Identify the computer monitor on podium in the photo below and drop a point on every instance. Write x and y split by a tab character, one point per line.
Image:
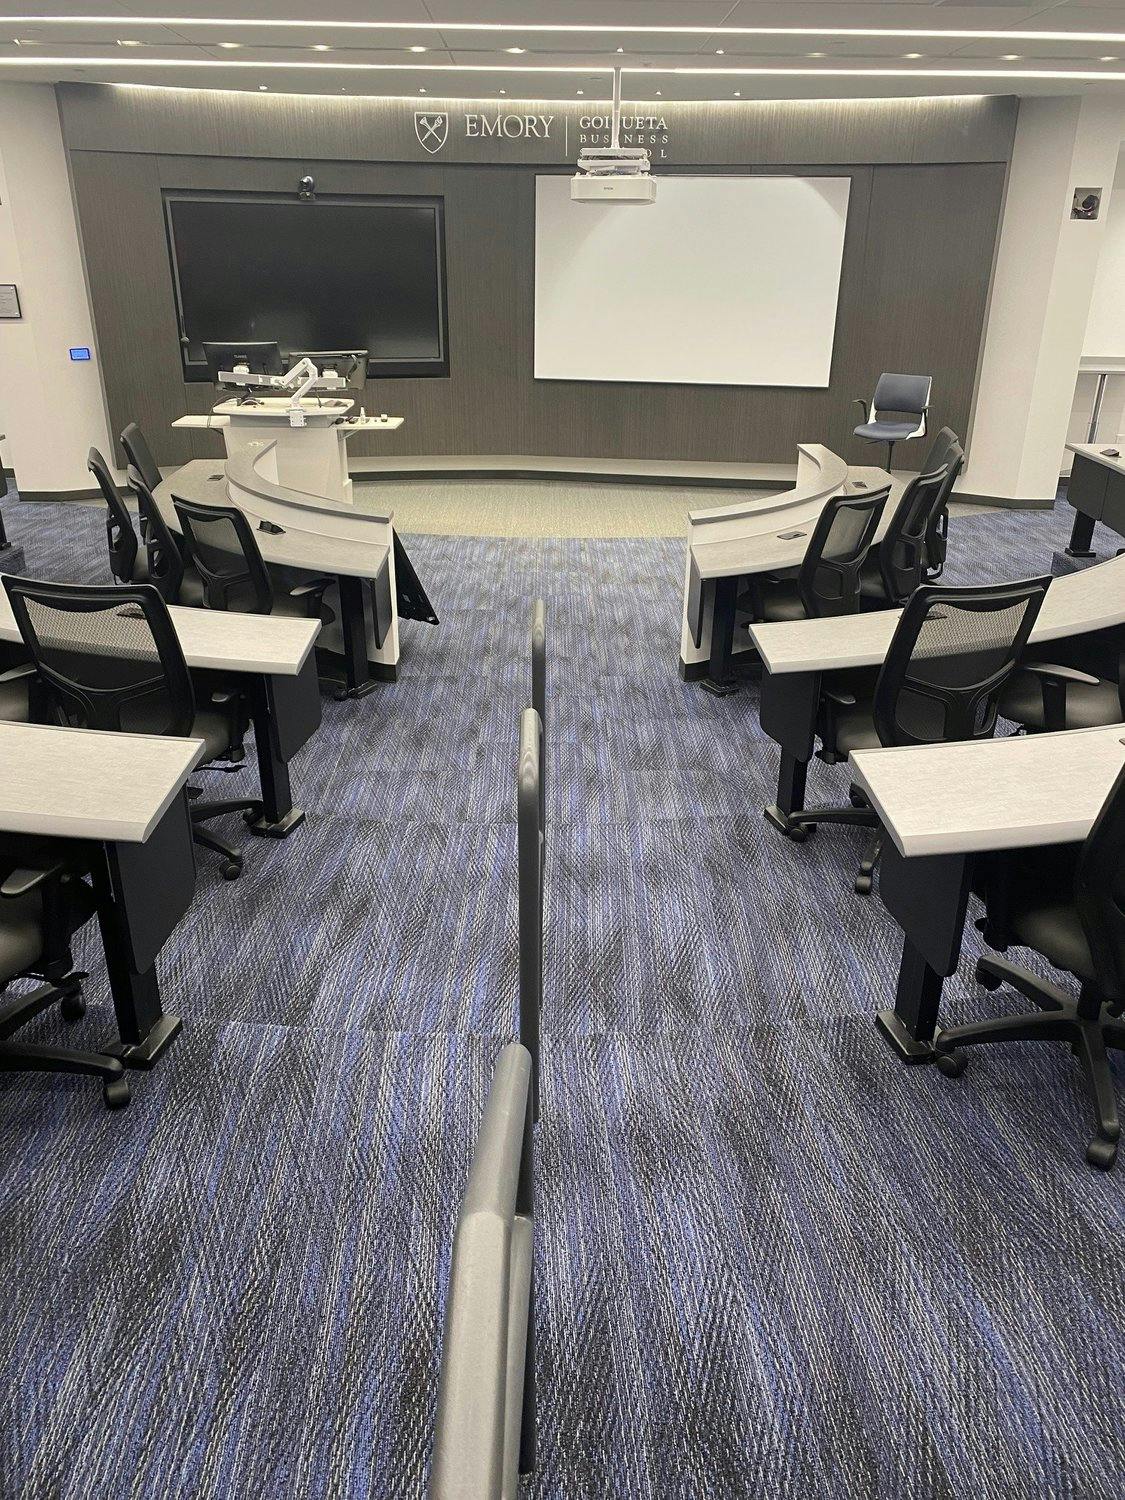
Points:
257	357
349	364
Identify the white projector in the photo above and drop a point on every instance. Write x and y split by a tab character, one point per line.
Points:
614	174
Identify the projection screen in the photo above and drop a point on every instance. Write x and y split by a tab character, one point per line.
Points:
721	281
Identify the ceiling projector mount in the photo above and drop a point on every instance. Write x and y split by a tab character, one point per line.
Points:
613	173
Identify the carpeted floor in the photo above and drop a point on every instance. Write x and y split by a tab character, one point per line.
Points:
771	1261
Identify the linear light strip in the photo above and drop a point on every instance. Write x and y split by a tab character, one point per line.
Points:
1056	74
125	23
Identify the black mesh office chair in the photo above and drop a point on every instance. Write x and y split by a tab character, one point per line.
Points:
895	568
139	454
1067	903
951	654
945	452
897	410
1052	696
43	903
109	658
168	572
222	546
827	582
126	561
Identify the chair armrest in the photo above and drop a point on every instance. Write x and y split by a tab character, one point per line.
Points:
838	698
23	882
15	674
1053	682
861	402
311	587
224	697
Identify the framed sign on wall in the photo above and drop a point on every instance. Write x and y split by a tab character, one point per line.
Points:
9	300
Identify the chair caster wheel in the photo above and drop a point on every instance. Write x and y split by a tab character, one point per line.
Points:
250	817
231	871
986	979
862	885
952	1064
116	1093
856	798
73	1007
1101	1153
801	832
340	694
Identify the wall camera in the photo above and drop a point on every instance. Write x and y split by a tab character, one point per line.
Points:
306	189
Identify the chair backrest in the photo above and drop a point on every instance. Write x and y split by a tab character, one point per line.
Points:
946	449
909	394
223	548
902	552
120	536
1099	892
165	560
484	1434
828	579
108	655
949	658
139	454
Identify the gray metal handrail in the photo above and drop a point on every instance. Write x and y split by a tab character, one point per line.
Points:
531	841
485	1430
539	661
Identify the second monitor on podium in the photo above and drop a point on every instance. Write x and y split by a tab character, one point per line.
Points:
309	419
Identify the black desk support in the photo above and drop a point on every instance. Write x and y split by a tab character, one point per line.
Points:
1097	493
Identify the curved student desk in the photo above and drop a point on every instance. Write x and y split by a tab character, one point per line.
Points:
758	534
1096	492
317	536
797	655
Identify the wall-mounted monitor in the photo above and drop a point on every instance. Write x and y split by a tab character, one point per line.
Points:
335	273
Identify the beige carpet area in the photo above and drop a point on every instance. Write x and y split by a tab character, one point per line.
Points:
537	508
545	507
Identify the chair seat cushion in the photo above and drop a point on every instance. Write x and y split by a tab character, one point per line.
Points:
13	701
1087	706
214	729
21	935
1056	931
781	600
885	432
855	730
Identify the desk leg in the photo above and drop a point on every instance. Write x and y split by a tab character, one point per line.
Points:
279	816
791	775
353	628
910	1026
718	679
1081	535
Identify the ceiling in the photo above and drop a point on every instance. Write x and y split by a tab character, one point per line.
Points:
563	49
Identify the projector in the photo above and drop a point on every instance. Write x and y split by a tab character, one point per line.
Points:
613	174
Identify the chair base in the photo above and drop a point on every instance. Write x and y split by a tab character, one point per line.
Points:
252	808
1083	1023
799	825
28	1057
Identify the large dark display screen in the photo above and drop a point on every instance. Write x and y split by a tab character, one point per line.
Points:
334	273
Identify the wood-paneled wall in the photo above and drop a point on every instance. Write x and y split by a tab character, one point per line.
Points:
917	263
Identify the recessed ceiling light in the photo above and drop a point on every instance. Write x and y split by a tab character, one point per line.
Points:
317	47
1010	56
26	41
419	48
230	46
913	56
1111	58
516	51
818	54
659	93
581	91
125	42
738	93
262	87
720	52
421	91
621	49
503	91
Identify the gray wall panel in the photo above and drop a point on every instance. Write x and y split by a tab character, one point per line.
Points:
917	260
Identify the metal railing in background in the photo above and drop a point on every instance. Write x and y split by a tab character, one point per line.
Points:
485	1433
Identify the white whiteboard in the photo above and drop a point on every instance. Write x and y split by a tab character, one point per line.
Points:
721	281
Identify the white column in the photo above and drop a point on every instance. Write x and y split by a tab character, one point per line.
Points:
51	408
1042	287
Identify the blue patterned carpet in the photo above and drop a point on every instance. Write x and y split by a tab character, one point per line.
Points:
772	1261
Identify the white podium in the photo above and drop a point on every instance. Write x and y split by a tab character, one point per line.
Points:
313	458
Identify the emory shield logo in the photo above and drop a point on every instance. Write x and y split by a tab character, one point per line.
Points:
432	131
